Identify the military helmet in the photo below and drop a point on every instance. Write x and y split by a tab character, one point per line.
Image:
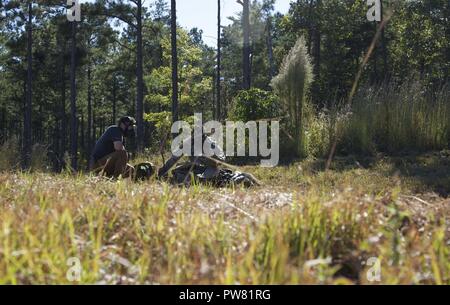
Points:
127	120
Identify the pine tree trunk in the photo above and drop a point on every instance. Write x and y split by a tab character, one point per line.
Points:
114	101
94	126
375	58
246	50
310	25
270	49
174	61
219	55
140	80
317	38
383	43
63	130
317	43
81	131
73	106
29	92
3	136
89	110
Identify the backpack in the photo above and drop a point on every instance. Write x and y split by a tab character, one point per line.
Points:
144	171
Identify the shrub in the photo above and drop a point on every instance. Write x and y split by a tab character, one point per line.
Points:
318	135
254	104
161	123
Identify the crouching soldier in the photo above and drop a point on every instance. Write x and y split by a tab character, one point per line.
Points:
211	168
109	156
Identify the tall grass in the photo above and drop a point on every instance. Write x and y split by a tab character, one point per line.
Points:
389	118
10	158
124	232
10	154
395	118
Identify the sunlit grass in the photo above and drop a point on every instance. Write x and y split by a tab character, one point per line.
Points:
302	226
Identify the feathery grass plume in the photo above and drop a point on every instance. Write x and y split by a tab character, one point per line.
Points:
292	85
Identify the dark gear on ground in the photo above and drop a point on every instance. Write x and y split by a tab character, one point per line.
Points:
144	171
204	169
189	173
199	160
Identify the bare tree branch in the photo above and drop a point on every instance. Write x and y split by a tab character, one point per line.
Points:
124	46
119	18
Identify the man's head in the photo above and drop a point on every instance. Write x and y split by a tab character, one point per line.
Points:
126	124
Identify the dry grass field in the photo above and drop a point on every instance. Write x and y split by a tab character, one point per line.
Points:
303	225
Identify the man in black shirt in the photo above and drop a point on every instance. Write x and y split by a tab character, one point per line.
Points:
109	155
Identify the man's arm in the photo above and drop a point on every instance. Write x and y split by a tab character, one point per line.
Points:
163	171
118	145
176	155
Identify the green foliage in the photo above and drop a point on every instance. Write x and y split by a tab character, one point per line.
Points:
161	123
317	135
195	84
421	41
292	85
254	104
232	44
415	42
